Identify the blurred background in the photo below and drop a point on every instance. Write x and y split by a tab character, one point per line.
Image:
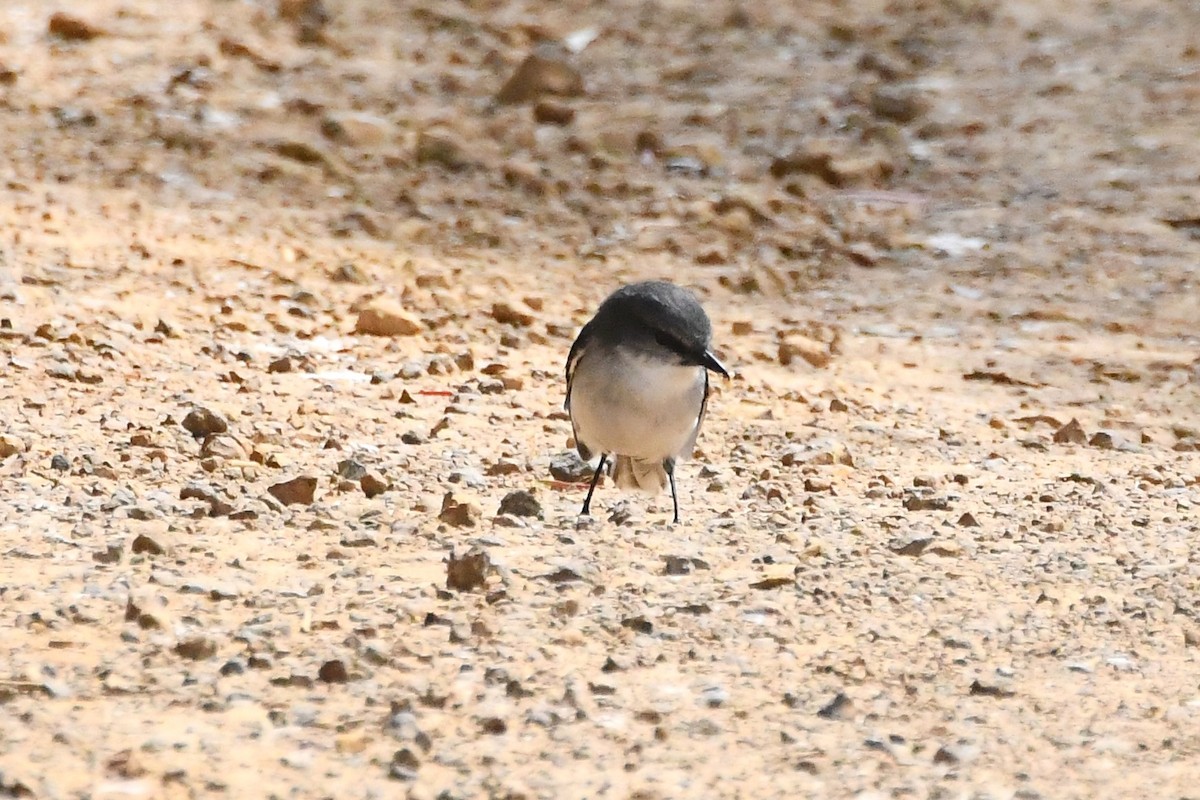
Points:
777	144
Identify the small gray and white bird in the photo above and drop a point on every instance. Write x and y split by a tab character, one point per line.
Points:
637	385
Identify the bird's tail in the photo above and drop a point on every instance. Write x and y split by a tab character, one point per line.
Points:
647	475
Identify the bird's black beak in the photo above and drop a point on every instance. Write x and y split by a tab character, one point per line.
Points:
709	361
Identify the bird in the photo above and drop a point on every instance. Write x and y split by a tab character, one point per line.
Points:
637	385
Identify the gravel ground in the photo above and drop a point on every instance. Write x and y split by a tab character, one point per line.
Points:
286	292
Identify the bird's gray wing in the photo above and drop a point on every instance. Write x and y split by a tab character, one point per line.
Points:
691	445
578	347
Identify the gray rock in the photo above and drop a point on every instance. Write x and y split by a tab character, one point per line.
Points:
201	422
351	470
521	503
570	468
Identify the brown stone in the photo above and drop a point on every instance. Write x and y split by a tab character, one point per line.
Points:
387	318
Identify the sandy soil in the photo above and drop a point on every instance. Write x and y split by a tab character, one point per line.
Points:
284	303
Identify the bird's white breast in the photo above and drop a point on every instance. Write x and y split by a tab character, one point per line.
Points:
624	403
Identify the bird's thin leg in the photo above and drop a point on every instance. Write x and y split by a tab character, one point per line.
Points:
587	501
669	466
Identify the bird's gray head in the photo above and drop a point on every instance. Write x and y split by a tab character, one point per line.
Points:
656	316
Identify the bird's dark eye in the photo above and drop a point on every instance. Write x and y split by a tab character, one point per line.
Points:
668	341
675	346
